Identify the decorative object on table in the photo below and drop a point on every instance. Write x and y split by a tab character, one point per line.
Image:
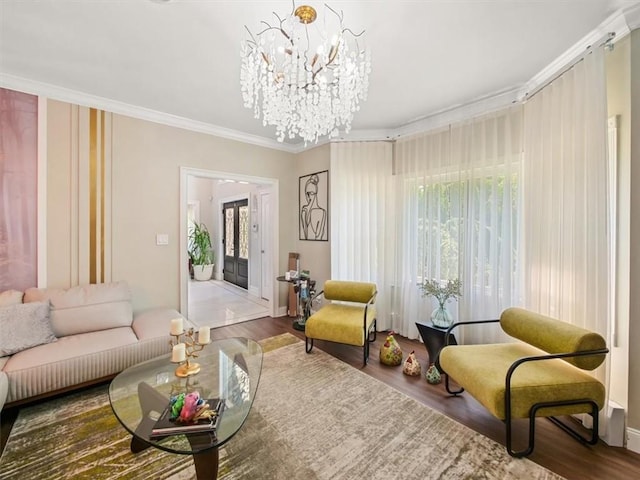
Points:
184	347
200	252
307	80
294	268
188	413
411	365
306	290
433	375
390	352
442	293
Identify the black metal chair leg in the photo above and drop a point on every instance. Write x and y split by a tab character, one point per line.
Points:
594	428
446	385
308	344
365	353
564	427
374	331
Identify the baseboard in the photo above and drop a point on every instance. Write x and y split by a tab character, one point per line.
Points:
614	436
633	440
281	312
255	291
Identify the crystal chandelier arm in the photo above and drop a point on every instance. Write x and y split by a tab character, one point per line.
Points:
356	35
341	18
253	39
272	27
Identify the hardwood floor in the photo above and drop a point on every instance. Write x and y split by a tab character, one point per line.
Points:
554	450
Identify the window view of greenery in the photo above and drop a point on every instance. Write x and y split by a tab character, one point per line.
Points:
475	217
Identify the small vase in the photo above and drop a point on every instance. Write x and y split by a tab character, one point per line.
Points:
441	317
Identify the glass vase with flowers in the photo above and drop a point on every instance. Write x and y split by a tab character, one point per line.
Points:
442	291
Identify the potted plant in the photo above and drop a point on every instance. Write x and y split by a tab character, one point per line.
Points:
200	253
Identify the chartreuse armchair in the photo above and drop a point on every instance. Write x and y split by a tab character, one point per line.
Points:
542	375
351	323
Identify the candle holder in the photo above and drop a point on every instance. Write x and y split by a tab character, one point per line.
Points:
192	347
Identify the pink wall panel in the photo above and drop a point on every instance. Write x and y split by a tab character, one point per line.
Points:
18	189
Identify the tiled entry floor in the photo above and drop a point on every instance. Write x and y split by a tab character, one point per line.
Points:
215	303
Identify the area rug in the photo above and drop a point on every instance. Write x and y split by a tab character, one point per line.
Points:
314	417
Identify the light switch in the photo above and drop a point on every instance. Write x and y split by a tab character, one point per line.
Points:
162	239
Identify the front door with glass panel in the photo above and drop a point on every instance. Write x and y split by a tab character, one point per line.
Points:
236	242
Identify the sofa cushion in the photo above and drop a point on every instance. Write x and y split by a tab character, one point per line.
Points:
10	297
71	346
4	388
348	291
24	326
156	322
340	323
86	308
553	336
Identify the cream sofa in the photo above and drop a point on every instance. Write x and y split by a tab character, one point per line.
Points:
96	334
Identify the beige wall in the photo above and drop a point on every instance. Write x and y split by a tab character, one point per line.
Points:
634	274
618	100
59	216
144	198
314	256
623	96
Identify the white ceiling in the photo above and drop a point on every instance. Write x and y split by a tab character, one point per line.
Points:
181	57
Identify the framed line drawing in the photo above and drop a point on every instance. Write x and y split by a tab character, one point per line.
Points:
313	197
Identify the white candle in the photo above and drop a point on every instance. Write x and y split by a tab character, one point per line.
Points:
179	353
204	335
176	326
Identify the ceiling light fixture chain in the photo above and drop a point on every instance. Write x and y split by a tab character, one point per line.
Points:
304	80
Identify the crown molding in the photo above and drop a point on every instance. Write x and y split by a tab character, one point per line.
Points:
632	16
479	106
616	23
56	92
441	118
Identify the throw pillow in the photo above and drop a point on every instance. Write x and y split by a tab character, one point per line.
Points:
10	297
23	326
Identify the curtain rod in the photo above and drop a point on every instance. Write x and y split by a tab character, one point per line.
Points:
605	41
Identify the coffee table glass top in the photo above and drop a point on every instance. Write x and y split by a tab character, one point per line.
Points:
229	369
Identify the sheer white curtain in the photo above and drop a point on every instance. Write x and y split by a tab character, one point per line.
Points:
361	217
566	250
457	206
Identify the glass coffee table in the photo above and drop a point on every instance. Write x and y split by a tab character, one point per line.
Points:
230	369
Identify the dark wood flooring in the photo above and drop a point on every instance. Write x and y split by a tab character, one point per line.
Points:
554	449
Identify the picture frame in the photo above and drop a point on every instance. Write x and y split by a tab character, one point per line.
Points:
313	201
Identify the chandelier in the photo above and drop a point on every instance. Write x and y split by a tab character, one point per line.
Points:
305	81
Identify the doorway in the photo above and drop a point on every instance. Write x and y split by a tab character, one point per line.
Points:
235	242
263	237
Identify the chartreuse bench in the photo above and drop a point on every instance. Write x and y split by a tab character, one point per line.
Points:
351	323
544	374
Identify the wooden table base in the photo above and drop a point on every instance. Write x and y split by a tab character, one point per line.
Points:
206	462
